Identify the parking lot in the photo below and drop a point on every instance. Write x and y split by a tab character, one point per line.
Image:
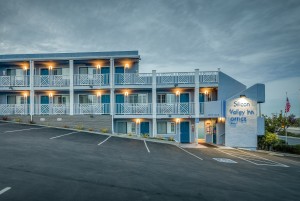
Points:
42	163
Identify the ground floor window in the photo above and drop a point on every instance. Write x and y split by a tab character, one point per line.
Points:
166	127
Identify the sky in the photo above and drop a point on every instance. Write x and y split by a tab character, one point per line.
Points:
255	41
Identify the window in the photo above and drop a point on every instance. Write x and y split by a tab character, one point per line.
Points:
171	127
12	99
57	71
161	98
138	98
166	98
60	99
143	98
87	99
162	127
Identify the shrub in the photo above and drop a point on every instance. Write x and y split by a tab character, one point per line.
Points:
145	135
66	126
294	149
129	134
5	118
79	127
18	120
90	129
31	122
104	130
171	138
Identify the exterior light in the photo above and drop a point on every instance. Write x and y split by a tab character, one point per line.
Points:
25	67
50	95
206	92
25	95
50	67
98	94
126	65
177	93
138	121
98	66
126	93
178	120
242	96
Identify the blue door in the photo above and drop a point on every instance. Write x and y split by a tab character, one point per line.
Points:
120	107
106	100
145	128
184	106
105	70
119	76
44	80
44	108
185	132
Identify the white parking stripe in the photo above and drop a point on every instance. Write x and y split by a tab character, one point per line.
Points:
251	158
4	190
23	130
62	135
104	140
146	146
190	153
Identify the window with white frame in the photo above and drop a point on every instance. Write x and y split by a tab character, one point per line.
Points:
138	98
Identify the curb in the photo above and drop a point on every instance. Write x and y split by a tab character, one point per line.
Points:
278	153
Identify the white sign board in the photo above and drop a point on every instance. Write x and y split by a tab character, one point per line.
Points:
241	123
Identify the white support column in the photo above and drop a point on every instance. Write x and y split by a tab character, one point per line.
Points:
197	104
31	78
71	72
154	97
112	92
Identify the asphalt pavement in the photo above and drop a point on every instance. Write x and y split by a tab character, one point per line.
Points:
43	164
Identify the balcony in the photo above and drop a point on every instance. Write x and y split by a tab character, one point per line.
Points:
133	78
175	108
212	109
14	81
91	80
51	80
92	108
209	77
53	109
133	108
14	109
175	78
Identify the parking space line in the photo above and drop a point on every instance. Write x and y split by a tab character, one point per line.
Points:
251	158
23	130
146	146
62	135
4	190
104	140
190	153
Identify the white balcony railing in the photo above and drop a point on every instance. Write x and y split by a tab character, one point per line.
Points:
94	80
14	109
209	77
14	81
92	108
46	109
133	108
51	80
175	78
175	108
133	78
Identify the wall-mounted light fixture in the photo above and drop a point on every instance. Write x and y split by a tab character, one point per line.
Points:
126	65
98	94
178	120
50	67
126	93
98	66
206	92
138	121
177	93
24	67
50	95
242	96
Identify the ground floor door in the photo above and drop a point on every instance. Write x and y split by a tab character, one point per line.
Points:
145	128
185	132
